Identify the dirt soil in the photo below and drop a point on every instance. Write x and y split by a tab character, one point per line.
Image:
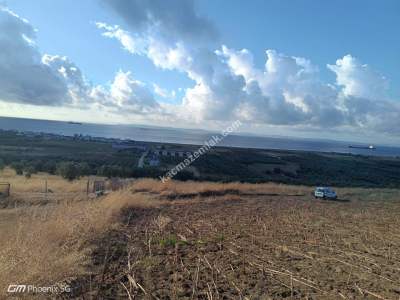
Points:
249	247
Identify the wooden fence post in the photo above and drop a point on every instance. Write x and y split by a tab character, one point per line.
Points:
45	189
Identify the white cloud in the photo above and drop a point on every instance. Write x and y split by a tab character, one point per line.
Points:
130	94
78	88
164	93
27	77
175	20
287	91
240	62
358	79
23	77
130	44
125	95
227	85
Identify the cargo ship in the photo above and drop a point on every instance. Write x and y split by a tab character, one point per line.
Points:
369	147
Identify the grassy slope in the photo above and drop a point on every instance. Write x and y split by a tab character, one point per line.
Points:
220	164
199	240
47	239
17	148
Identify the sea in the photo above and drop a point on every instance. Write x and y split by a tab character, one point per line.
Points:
190	136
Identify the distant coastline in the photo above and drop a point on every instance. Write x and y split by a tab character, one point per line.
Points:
112	157
188	137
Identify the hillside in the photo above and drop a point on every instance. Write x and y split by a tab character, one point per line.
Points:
200	241
104	157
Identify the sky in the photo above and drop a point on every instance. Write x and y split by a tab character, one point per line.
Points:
321	69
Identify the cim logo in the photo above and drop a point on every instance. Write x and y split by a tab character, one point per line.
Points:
16	288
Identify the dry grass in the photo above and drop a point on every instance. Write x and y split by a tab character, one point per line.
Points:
36	183
206	240
178	189
50	244
266	242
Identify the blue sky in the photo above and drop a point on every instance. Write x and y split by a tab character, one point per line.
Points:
319	30
61	30
219	83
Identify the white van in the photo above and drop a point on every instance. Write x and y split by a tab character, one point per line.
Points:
325	193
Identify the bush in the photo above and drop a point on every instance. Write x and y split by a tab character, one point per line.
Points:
68	170
184	176
277	171
30	169
49	167
18	167
84	169
110	171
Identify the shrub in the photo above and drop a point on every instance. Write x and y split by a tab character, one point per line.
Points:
68	170
30	169
49	167
110	171
277	171
84	169
18	167
184	176
170	240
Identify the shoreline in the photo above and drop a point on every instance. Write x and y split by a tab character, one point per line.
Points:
347	149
